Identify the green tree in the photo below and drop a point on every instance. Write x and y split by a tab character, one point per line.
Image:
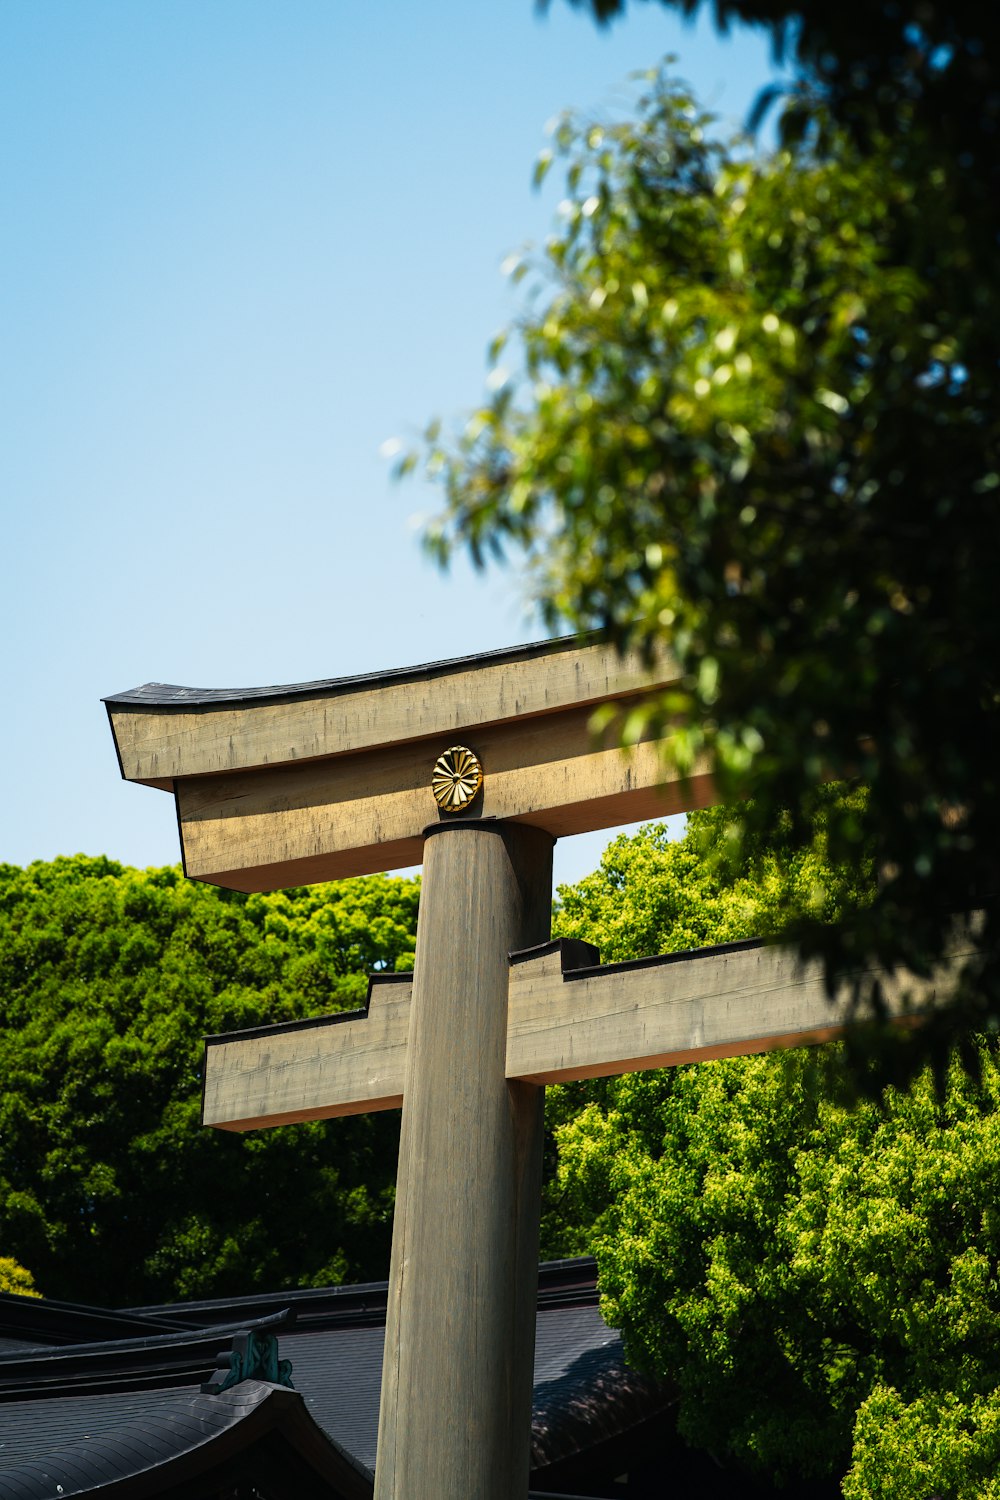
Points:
15	1279
651	894
920	66
110	1189
819	1281
752	415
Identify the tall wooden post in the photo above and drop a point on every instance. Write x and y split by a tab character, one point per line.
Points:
457	1374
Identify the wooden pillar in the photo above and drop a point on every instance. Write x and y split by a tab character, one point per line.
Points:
457	1374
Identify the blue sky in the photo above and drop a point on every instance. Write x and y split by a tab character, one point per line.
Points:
245	244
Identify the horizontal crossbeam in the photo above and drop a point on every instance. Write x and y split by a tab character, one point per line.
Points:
568	1022
568	1018
345	1064
265	830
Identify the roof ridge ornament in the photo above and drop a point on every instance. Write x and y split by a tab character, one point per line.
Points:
253	1355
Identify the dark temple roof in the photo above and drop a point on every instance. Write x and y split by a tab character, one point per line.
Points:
119	1364
130	1412
35	1322
164	1441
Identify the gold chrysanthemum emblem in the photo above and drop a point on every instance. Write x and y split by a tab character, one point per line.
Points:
457	778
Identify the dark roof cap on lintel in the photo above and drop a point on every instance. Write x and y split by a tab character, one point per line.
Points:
167	695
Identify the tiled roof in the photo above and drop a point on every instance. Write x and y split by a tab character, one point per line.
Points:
93	1440
584	1392
177	1357
41	1322
83	1444
77	1415
340	1376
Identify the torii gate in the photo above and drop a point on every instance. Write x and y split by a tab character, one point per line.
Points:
474	766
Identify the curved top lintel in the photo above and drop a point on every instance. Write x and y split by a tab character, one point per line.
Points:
168	734
165	695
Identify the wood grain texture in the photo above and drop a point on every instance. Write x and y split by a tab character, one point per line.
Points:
355	815
338	1065
729	1002
455	1418
159	745
567	1019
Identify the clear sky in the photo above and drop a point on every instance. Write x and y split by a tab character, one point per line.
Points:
244	243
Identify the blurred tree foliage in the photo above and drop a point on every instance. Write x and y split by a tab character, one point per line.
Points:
819	1281
110	1189
929	69
751	414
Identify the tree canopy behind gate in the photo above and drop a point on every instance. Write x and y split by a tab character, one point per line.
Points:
111	1191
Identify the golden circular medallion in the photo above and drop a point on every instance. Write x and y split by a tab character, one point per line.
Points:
457	778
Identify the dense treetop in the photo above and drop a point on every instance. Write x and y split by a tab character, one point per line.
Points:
820	1282
653	894
110	1189
15	1279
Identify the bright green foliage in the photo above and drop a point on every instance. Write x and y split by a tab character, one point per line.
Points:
753	413
15	1279
652	895
820	1281
110	1189
788	1260
938	1445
